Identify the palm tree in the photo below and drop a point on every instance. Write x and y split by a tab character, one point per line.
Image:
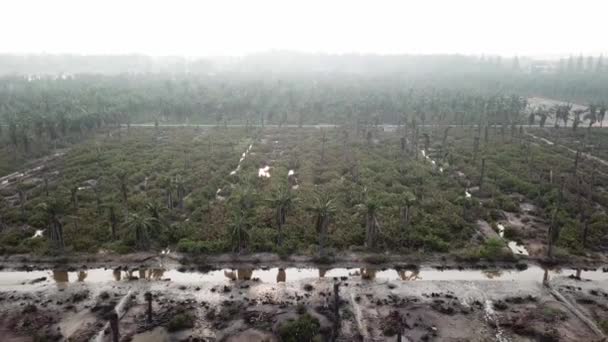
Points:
554	228
577	118
157	211
243	200
602	113
142	225
282	200
51	211
243	197
592	116
323	208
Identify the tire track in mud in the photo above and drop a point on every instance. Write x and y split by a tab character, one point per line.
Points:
584	154
40	164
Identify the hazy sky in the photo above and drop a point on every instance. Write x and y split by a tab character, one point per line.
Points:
236	27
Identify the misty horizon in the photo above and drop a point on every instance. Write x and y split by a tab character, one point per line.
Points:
541	29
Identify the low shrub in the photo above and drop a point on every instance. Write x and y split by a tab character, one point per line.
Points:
376	259
200	247
304	329
180	322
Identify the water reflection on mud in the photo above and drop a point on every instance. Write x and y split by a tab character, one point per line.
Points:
408	275
282	275
61	278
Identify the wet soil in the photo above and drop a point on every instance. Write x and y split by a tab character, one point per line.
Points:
247	304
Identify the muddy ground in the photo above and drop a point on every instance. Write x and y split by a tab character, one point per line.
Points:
239	306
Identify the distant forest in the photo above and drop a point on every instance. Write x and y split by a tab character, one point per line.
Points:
45	94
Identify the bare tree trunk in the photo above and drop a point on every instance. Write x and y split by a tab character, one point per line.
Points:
553	228
148	297
113	317
280	223
324	223
336	309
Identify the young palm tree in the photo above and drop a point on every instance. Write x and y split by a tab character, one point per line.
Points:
242	201
142	225
157	212
323	207
282	200
238	230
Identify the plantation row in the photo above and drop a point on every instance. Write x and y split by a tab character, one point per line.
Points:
307	191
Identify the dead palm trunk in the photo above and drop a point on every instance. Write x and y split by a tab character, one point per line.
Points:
125	197
169	198
416	143
485	135
46	186
74	197
323	140
445	139
113	222
22	199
